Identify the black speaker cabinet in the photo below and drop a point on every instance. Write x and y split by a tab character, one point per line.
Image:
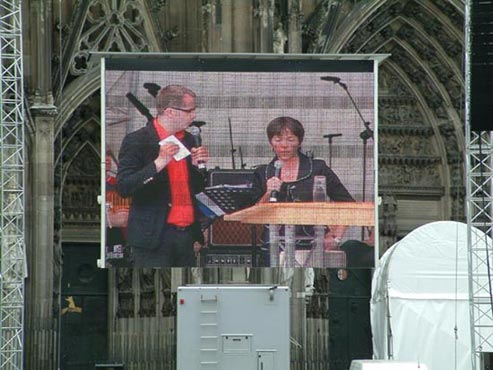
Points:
481	59
481	92
230	233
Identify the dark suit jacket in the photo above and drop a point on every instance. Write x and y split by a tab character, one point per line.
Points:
302	188
150	190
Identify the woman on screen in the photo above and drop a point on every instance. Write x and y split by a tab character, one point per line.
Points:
291	175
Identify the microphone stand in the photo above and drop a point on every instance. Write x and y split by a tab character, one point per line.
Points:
152	89
365	135
233	150
330	137
140	107
242	163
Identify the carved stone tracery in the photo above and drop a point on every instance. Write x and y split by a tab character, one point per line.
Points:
168	308
147	293
399	112
406	151
389	207
109	29
451	144
105	26
408	176
125	293
78	167
406	145
149	289
80	193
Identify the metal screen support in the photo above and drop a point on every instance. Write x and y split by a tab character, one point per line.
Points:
12	241
479	205
479	215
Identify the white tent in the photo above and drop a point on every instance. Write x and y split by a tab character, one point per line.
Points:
420	298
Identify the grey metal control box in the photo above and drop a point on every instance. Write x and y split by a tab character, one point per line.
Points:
241	327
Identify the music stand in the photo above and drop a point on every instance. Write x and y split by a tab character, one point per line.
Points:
220	200
216	201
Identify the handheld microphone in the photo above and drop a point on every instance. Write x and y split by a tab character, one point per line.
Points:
330	78
195	131
199	124
274	193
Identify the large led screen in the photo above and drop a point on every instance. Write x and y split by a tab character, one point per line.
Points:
238	160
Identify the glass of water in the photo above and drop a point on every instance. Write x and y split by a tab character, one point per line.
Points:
319	189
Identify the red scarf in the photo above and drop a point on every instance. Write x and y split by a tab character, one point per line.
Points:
181	213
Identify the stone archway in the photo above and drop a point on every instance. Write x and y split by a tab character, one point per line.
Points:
78	164
421	139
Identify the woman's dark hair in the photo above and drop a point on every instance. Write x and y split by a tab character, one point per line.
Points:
277	125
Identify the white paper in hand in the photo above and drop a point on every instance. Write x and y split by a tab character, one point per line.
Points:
183	152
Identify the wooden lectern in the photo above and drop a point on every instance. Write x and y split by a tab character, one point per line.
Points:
303	213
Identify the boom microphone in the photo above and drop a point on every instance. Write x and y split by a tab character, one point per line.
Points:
274	193
152	88
330	78
195	131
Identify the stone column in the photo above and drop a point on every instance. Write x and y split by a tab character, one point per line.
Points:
295	26
263	21
242	26
41	324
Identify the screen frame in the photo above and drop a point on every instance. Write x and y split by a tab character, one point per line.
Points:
228	62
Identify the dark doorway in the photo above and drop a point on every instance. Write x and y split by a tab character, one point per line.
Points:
349	322
84	316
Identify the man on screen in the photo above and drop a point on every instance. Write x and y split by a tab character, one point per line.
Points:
156	171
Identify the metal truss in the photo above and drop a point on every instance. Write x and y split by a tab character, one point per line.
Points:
480	216
479	166
12	241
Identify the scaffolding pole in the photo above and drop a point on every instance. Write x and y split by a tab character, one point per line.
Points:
12	240
479	205
480	216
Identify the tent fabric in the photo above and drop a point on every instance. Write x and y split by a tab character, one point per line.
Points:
420	298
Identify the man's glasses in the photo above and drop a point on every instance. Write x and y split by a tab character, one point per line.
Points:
185	110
